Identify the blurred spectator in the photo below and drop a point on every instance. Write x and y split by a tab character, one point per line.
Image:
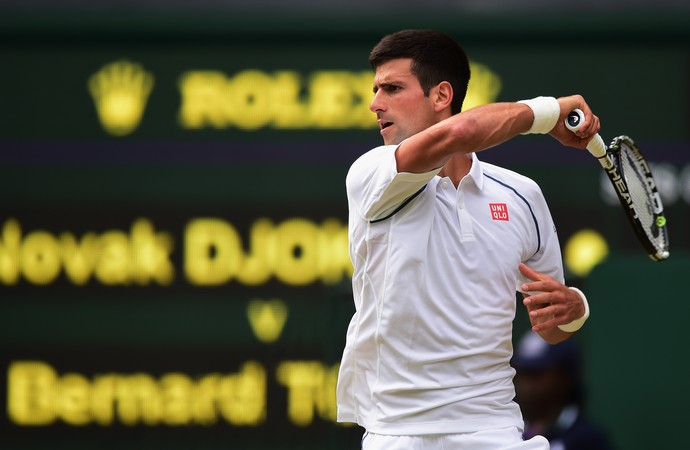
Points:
550	391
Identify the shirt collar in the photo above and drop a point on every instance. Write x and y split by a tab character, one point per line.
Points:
476	173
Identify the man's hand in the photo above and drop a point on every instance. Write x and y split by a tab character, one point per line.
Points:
585	133
550	303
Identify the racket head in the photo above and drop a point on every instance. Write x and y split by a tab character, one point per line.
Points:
637	192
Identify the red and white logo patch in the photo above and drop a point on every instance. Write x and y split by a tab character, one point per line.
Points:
499	211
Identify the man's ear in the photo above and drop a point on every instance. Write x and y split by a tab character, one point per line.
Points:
443	96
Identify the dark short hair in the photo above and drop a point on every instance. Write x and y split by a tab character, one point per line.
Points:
436	57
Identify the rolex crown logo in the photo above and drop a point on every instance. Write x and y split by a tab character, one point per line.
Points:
484	87
120	91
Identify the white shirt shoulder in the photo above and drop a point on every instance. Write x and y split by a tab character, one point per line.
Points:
375	187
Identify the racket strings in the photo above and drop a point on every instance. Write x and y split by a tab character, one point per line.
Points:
642	194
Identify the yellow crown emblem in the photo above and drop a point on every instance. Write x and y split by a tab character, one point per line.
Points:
484	86
120	91
267	318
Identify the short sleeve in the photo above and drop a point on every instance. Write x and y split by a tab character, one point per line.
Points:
375	187
548	258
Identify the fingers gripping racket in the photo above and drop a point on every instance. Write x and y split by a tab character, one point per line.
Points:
634	185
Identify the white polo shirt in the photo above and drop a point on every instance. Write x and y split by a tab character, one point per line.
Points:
429	345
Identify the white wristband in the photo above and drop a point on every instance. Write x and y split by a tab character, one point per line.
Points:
546	113
577	323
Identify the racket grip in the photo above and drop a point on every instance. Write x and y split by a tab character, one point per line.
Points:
597	147
574	121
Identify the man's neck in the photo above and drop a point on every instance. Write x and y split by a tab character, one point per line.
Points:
457	167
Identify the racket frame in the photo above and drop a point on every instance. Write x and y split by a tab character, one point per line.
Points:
618	179
609	158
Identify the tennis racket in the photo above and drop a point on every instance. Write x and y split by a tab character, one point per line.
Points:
634	185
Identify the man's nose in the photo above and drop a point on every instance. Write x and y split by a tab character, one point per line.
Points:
376	103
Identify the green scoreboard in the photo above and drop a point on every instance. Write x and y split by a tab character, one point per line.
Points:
174	267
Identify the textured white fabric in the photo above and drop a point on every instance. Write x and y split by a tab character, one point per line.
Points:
429	345
503	439
546	113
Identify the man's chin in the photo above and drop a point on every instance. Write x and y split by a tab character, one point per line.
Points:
393	140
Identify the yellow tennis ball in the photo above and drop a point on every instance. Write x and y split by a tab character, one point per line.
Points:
584	250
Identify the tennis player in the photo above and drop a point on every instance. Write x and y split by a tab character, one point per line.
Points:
440	242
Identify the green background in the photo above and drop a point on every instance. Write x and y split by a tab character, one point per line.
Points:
59	170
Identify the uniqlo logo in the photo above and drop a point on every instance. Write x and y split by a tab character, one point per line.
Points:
499	211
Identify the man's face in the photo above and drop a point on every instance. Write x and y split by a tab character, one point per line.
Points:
399	102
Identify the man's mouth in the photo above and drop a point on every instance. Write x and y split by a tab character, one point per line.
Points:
385	125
